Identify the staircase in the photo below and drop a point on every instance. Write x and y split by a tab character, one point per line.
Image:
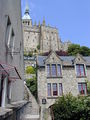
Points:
32	110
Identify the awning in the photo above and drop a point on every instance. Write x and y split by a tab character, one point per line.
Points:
9	70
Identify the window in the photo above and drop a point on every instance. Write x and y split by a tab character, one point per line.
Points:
8	30
82	88
80	70
54	70
58	70
49	89
60	89
55	90
48	70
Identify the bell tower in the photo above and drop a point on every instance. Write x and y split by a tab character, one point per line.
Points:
27	21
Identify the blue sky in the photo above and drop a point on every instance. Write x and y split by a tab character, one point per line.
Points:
71	17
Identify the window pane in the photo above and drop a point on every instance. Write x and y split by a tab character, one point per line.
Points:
80	70
55	93
60	89
82	88
49	89
58	70
48	70
53	70
79	87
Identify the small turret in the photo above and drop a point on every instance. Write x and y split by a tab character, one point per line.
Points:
44	23
27	12
39	24
35	24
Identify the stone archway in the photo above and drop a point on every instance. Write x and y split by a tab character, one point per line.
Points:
51	112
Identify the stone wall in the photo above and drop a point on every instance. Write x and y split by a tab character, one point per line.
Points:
45	36
15	111
11	45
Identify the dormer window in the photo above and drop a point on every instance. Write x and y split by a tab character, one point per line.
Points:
80	69
54	70
53	73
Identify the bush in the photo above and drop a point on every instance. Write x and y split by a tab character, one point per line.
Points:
30	70
30	54
38	47
32	85
72	108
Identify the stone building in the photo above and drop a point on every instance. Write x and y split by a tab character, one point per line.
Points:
11	52
58	75
41	38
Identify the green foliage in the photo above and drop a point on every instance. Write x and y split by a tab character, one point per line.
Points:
32	85
30	54
88	87
38	47
73	49
85	51
35	50
72	108
25	53
30	70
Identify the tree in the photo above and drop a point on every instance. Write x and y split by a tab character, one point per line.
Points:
72	108
85	51
73	49
30	70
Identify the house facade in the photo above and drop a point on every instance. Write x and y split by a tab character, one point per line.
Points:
11	53
58	75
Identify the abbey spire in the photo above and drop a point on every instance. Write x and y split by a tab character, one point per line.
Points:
27	12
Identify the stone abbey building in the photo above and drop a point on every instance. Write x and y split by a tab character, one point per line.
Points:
41	38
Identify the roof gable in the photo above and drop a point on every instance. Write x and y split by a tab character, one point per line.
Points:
79	59
53	58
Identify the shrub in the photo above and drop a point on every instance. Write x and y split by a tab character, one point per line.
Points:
72	108
30	70
32	85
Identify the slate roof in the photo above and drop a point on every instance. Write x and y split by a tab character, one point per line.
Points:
41	59
29	58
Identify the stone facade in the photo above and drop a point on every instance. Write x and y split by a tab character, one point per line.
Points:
46	37
68	78
11	52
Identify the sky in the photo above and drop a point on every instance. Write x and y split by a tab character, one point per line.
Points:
70	17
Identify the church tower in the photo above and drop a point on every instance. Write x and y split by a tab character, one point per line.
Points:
26	18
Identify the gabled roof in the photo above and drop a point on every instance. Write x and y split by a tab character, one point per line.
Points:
66	59
51	54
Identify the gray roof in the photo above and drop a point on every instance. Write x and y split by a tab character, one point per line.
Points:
41	59
29	58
